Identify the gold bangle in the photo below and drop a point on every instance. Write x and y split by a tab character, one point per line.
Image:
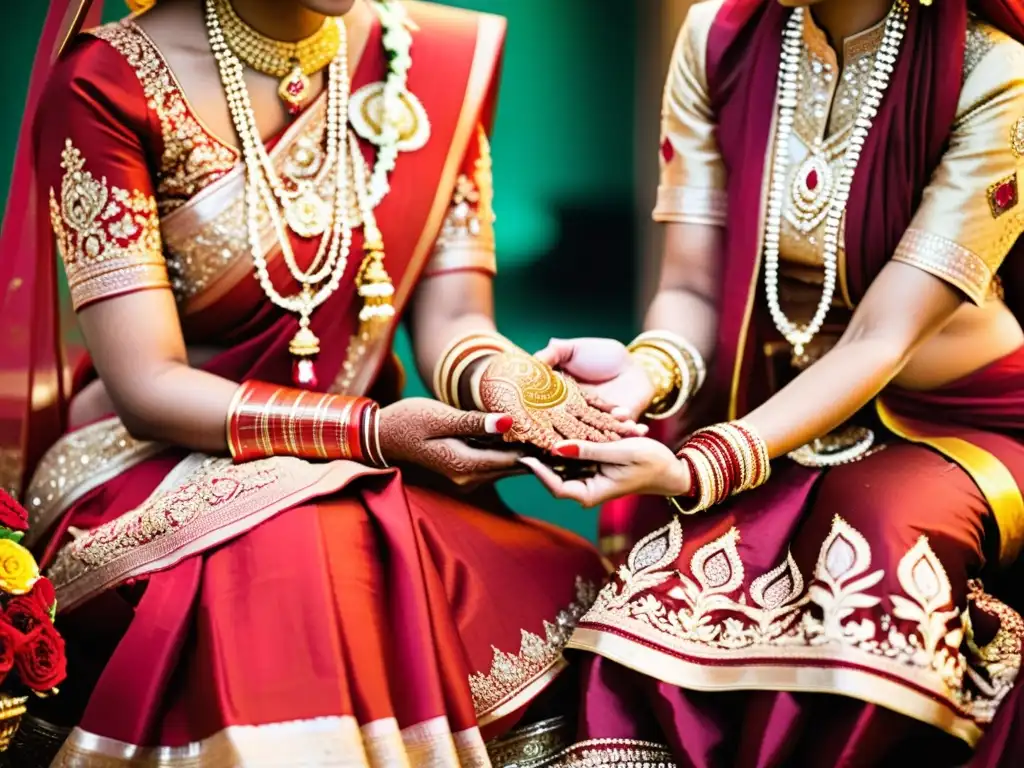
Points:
443	384
686	355
663	373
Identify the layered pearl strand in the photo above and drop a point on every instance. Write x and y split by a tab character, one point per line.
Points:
799	336
264	187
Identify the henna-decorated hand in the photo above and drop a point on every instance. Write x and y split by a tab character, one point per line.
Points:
427	433
604	369
546	407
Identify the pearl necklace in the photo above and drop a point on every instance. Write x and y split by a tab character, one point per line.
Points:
789	93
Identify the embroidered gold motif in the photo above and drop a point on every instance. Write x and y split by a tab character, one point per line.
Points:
216	484
511	672
614	753
1017	138
947	260
109	237
192	158
705	614
466	240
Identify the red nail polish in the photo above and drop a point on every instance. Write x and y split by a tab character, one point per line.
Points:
568	451
505	424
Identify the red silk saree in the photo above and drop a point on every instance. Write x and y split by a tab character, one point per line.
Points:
279	612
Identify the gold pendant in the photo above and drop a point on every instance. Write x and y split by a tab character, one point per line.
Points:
294	90
304	347
308	215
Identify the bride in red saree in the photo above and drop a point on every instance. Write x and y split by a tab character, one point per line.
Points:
272	608
854	608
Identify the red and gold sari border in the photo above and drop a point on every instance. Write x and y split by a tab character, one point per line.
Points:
993	479
908	644
203	503
326	742
78	463
819	671
515	679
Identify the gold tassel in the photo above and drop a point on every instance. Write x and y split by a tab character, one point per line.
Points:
374	283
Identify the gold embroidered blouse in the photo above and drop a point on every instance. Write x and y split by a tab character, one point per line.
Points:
125	148
969	216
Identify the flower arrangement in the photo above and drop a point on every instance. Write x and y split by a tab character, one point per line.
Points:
32	655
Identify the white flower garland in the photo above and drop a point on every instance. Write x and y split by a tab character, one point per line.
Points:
397	41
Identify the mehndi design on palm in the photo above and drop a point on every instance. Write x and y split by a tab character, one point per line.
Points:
547	407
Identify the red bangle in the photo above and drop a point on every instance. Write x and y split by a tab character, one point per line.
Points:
266	420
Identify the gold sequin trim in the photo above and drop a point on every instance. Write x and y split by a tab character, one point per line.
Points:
511	672
466	240
78	463
946	260
109	237
1017	138
614	753
980	42
192	158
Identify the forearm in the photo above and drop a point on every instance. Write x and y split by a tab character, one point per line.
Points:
432	339
687	314
827	394
177	405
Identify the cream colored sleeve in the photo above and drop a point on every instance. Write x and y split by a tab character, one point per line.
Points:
692	184
971	214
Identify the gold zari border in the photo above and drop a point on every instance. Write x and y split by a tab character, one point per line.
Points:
327	742
946	260
689	205
78	463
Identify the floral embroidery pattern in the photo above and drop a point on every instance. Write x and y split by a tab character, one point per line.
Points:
109	237
511	672
192	158
924	639
217	484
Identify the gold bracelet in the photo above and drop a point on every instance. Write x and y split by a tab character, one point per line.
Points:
458	357
724	459
679	357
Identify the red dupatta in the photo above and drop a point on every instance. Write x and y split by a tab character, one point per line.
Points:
904	147
32	392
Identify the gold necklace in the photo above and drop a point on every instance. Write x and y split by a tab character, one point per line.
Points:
293	63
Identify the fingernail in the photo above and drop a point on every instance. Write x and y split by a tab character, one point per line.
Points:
494	424
642	429
567	451
504	424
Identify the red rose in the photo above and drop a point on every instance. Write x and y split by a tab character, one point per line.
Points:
10	640
26	614
42	663
44	594
12	514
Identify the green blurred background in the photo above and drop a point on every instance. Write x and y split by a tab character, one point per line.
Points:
564	176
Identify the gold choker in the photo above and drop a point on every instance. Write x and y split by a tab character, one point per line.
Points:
293	63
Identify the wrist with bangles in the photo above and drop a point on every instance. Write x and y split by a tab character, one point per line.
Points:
675	367
464	358
266	420
722	460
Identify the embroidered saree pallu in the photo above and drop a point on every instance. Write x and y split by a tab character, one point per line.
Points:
278	611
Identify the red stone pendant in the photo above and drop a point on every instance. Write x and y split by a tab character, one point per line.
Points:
812	180
294	90
304	373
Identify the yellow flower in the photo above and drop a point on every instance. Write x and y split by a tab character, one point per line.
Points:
18	569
